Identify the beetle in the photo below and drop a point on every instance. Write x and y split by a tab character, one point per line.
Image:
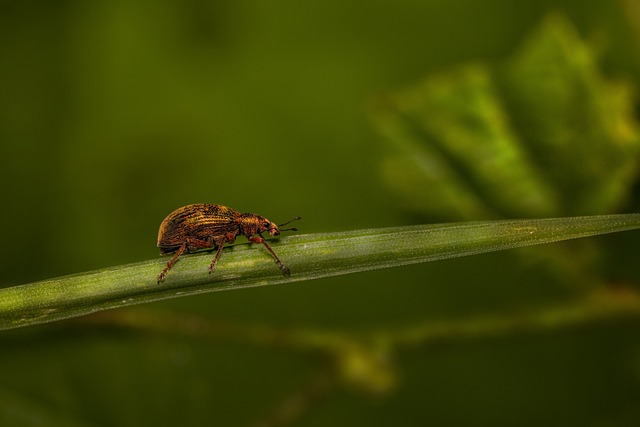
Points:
205	226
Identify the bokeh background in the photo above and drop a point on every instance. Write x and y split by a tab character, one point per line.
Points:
113	114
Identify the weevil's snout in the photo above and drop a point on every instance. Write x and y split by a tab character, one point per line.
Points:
273	229
264	225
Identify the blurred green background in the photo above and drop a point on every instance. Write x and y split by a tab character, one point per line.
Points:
113	114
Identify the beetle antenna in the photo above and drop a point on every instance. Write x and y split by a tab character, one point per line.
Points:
291	220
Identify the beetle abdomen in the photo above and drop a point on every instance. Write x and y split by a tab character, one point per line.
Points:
198	221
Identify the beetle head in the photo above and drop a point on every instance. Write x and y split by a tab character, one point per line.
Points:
266	225
253	224
272	228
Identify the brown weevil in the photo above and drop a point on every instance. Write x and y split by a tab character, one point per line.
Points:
201	226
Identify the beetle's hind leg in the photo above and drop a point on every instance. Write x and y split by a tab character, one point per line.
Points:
189	245
172	261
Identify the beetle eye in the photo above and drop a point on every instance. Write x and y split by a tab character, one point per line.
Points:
265	224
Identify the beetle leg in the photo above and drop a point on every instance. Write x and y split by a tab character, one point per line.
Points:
172	261
260	239
193	245
220	243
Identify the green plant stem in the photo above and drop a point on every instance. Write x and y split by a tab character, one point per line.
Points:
310	256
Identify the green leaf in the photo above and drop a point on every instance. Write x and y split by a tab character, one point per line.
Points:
309	256
545	134
579	126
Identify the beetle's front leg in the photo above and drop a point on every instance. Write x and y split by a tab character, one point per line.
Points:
260	239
